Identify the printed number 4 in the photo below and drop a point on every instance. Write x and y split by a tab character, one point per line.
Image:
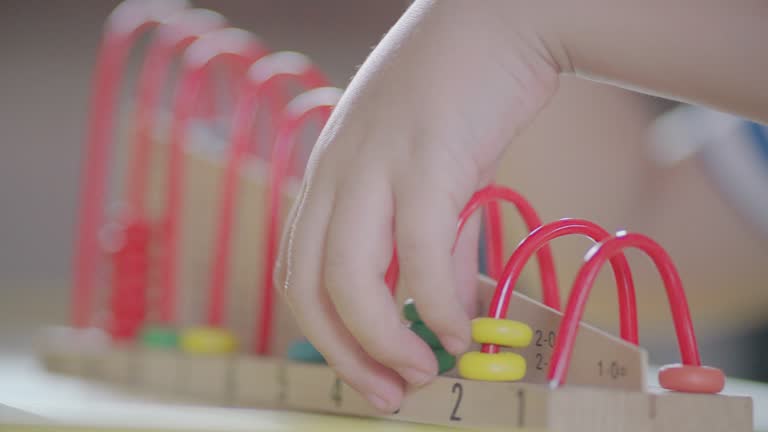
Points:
336	392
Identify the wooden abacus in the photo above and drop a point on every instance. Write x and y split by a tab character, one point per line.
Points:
516	388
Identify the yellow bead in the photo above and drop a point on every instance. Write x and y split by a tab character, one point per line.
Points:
480	366
501	332
208	340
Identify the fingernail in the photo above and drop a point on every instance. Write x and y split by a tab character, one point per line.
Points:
414	376
453	345
378	403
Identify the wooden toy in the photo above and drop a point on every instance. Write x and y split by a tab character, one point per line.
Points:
531	367
607	388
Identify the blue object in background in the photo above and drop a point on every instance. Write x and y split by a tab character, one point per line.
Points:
759	135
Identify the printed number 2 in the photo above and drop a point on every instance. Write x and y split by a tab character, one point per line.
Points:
457	388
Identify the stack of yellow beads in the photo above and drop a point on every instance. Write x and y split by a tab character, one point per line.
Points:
501	366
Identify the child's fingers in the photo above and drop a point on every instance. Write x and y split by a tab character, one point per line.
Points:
358	253
425	225
381	386
314	311
279	270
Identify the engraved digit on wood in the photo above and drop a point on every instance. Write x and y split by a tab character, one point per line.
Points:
336	392
457	388
521	408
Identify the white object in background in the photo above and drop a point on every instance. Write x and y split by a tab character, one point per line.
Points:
733	151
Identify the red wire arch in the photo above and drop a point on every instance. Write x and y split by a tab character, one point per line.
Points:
238	47
263	78
494	248
489	196
131	263
125	24
172	38
492	194
320	100
595	259
541	237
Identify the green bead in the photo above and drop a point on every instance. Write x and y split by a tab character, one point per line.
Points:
426	334
160	337
305	352
445	361
410	312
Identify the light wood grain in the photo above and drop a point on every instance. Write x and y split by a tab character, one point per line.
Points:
257	383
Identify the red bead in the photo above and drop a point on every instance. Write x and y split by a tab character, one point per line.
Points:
138	232
691	379
130	265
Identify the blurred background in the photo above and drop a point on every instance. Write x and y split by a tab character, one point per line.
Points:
596	152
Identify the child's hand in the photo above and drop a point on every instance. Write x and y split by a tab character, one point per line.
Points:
418	131
421	128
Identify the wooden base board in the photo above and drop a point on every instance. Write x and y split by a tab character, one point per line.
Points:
118	365
258	382
208	379
253	382
158	372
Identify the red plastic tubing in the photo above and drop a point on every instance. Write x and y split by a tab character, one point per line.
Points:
239	48
172	38
263	80
124	25
495	239
393	272
318	101
595	259
540	238
490	196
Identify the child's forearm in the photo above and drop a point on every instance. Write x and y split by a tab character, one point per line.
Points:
708	52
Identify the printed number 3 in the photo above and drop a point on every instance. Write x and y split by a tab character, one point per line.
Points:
456	388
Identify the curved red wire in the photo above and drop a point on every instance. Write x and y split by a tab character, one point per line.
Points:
124	25
393	272
488	197
264	78
171	39
239	48
494	239
131	264
318	101
595	259
493	193
541	237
